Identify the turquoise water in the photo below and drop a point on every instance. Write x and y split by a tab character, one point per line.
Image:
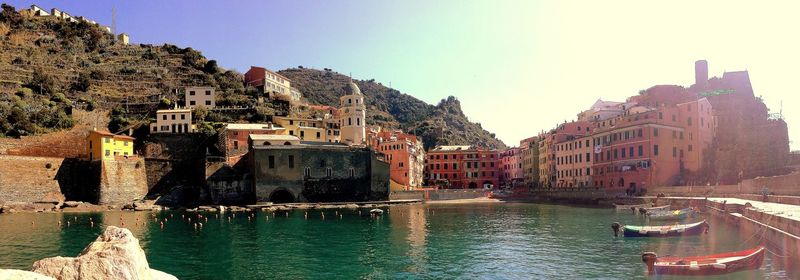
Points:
445	241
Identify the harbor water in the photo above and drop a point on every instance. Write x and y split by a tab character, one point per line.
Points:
420	241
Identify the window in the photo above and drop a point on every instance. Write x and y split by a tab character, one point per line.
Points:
183	116
681	153
358	121
271	162
349	121
623	152
655	132
655	150
445	156
689	121
640	132
307	172
690	148
615	153
107	140
302	134
455	166
191	92
208	102
674	151
208	92
164	117
192	103
328	172
291	162
291	132
108	152
173	116
352	173
641	150
318	135
674	134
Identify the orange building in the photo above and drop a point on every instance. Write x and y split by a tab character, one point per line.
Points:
574	162
405	155
511	172
548	173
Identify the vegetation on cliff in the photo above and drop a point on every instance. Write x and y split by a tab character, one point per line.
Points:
443	124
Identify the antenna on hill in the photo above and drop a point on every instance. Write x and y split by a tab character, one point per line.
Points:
114	21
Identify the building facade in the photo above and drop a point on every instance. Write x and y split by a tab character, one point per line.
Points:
511	171
530	161
197	96
308	129
462	167
653	148
234	139
173	121
404	153
316	172
272	84
574	162
104	145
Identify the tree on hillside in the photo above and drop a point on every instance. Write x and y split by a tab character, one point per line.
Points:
41	82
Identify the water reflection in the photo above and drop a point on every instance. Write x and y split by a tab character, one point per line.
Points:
516	241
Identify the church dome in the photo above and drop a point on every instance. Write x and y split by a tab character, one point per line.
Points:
352	89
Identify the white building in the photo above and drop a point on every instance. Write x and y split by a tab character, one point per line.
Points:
196	96
173	121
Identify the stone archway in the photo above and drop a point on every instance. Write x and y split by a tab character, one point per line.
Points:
281	196
267	143
287	143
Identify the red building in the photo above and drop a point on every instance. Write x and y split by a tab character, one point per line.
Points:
462	167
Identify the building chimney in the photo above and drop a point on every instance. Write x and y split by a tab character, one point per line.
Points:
701	73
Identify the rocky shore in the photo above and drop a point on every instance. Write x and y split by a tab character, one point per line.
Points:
115	254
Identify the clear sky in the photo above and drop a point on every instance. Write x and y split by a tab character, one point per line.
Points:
518	67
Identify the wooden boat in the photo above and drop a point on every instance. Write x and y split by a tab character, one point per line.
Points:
664	231
376	212
716	264
671	215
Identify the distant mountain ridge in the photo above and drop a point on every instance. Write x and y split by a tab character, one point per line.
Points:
443	124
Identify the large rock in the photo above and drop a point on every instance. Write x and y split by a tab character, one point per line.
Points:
115	254
14	274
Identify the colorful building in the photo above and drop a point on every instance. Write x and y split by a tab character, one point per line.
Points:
404	153
310	129
270	83
530	161
104	145
653	148
462	167
547	148
511	172
574	162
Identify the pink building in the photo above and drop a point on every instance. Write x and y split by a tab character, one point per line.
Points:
511	171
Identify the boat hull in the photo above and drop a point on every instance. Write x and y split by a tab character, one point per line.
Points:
703	265
665	231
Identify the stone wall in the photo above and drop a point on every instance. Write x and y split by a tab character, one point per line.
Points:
30	179
228	185
174	160
779	185
47	179
122	181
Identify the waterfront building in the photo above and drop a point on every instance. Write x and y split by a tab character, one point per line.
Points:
653	148
234	138
574	162
511	172
403	152
530	161
272	84
286	169
197	96
563	132
353	114
173	121
104	145
310	129
462	167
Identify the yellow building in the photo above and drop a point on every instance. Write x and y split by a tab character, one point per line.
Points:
104	145
317	130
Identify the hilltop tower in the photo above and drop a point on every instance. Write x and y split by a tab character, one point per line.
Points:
353	115
701	73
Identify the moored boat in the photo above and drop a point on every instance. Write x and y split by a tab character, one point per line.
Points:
661	231
672	214
716	264
646	210
631	207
